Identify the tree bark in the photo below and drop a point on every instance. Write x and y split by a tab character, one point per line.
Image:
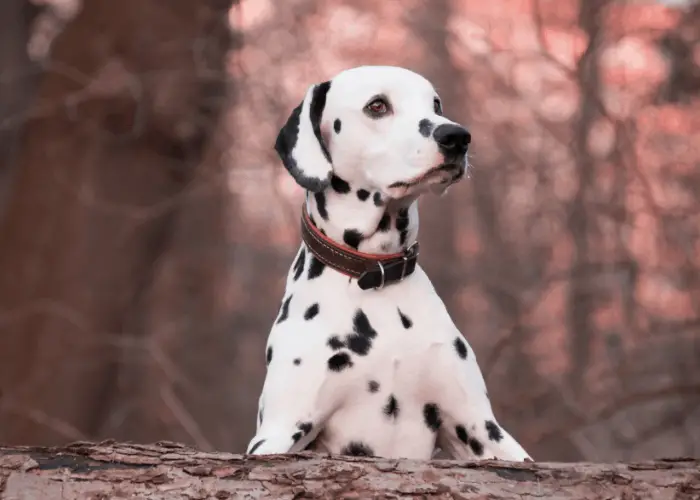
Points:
115	150
167	470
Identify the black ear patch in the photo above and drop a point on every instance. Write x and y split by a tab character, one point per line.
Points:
425	127
289	134
318	104
286	140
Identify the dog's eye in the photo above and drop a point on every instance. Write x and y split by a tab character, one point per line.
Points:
377	107
437	106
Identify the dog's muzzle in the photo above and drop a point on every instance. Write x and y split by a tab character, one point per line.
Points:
448	172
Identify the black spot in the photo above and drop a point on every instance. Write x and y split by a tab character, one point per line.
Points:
321	205
461	348
462	434
297	361
402	237
431	414
339	185
260	415
391	409
299	264
315	267
373	386
337	125
316	107
384	223
352	238
358	344
494	431
311	312
402	219
335	343
256	446
362	194
360	341
476	446
339	362
284	313
357	449
362	325
377	199
405	320
296	436
425	127
268	355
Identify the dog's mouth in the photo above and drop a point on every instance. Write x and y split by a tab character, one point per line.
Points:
442	175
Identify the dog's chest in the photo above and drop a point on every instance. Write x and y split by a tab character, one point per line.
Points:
374	349
383	414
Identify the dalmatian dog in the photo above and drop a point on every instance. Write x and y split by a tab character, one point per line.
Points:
381	371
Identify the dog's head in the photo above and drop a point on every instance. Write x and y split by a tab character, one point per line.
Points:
380	127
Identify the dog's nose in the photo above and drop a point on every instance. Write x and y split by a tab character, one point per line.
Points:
452	139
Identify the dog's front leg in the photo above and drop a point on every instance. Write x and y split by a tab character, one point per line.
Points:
297	398
285	439
287	422
284	425
467	426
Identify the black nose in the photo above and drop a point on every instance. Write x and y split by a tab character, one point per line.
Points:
452	139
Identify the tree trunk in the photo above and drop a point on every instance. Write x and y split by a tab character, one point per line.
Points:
118	146
17	83
429	21
168	470
581	294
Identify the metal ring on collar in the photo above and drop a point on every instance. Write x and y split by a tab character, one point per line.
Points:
381	268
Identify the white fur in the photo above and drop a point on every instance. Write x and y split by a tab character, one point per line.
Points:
417	366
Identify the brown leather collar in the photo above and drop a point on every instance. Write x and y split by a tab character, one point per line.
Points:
370	270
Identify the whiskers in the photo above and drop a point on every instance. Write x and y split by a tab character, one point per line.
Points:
469	165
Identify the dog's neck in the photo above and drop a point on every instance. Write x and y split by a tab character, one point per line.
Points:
355	217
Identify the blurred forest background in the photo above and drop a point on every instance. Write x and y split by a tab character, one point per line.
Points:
146	225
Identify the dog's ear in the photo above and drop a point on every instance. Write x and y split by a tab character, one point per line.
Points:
300	144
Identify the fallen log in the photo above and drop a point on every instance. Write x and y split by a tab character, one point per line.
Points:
165	470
